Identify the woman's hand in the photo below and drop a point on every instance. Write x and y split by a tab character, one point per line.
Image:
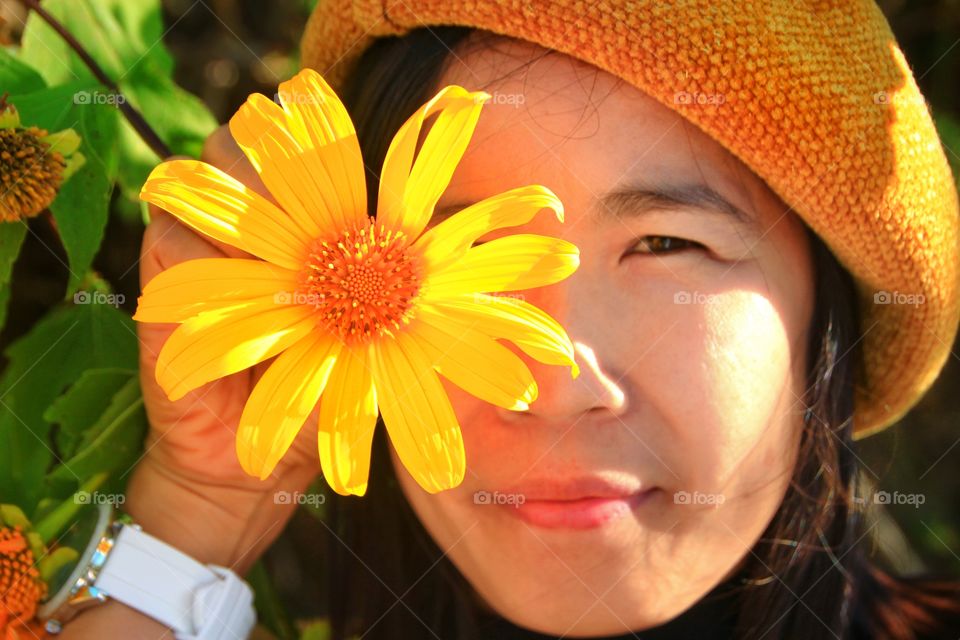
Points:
189	487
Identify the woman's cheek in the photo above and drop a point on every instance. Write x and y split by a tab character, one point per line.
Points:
749	386
725	401
747	361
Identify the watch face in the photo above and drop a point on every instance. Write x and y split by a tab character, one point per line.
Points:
78	537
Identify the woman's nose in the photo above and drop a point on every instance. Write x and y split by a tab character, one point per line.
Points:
562	399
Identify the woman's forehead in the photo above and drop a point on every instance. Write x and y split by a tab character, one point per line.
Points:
583	132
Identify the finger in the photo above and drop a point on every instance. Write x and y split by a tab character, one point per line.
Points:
154	241
222	151
167	242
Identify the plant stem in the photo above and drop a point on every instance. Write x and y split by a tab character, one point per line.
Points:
66	513
133	116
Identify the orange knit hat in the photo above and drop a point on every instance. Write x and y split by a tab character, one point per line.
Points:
818	101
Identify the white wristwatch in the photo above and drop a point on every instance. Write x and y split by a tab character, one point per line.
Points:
122	563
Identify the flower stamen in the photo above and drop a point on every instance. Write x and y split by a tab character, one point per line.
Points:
20	585
364	283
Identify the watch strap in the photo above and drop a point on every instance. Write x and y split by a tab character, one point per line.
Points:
197	601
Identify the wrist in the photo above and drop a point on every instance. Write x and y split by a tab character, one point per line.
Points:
229	526
125	564
114	620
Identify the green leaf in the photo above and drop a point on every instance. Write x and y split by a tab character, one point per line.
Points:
17	77
51	108
41	364
4	303
60	518
181	120
83	403
125	38
317	631
270	610
81	208
949	129
13	516
127	211
114	441
11	237
56	561
120	35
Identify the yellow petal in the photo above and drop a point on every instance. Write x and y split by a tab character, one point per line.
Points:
282	400
217	343
449	240
475	362
516	262
325	122
218	206
306	153
409	190
188	288
530	328
348	415
417	413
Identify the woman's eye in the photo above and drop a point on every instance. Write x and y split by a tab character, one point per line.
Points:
664	244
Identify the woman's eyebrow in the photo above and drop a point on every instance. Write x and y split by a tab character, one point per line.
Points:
634	201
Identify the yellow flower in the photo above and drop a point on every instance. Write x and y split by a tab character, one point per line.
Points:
363	311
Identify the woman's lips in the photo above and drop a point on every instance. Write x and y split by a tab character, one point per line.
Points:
575	503
585	513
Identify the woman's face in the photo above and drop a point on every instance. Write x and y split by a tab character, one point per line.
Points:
690	329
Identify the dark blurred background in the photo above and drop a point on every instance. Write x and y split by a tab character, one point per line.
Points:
227	49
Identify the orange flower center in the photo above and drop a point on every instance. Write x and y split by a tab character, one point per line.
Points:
363	283
20	584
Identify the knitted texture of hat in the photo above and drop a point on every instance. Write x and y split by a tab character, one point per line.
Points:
815	97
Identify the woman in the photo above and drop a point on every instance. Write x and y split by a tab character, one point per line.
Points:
720	340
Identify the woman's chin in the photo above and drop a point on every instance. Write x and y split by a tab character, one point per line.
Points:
592	614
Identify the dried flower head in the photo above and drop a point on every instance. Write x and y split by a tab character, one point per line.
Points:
33	165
